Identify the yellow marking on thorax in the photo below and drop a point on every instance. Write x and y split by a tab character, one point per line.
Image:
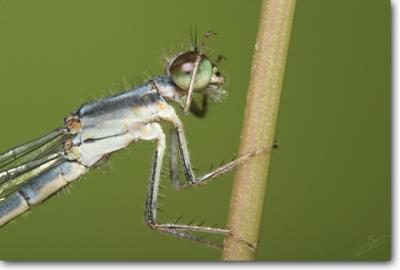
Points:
162	105
73	124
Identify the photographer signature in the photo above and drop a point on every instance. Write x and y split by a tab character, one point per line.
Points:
372	243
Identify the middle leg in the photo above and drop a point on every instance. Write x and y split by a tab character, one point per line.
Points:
179	230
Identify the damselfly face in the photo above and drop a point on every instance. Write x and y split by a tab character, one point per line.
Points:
182	67
193	72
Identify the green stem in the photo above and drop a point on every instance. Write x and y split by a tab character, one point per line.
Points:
259	127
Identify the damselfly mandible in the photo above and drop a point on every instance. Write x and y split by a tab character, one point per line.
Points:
32	172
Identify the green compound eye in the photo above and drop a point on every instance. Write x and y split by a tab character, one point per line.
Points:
181	69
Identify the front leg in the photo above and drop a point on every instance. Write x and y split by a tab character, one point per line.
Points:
174	160
179	144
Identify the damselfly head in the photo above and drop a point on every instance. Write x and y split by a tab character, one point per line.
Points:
182	67
192	71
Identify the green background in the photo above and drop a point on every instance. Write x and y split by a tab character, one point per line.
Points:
329	191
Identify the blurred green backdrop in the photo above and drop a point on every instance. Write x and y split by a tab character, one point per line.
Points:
329	191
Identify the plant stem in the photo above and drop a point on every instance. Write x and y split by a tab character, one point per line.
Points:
259	127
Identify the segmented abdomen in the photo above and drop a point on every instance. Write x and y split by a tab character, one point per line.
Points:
39	189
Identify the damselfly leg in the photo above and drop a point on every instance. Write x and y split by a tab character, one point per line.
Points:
173	160
179	145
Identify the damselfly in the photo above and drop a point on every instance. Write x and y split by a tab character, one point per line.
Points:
33	172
